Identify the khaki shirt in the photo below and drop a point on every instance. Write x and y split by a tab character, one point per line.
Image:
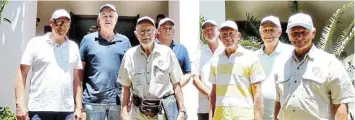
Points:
308	89
152	76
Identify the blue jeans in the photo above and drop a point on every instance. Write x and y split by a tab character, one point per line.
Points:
39	115
101	111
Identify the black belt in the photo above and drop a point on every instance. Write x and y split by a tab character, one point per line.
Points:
152	106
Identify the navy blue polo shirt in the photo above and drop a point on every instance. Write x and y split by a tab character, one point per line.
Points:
182	55
103	61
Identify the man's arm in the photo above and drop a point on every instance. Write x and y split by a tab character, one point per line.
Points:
178	95
276	109
341	111
186	78
258	101
200	86
20	83
78	90
125	100
212	101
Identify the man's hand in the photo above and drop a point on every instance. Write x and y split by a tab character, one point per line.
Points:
181	116
77	114
21	112
124	115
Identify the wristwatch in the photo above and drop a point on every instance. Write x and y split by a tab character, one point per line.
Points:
185	114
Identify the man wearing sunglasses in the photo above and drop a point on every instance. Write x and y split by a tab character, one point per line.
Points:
312	84
150	74
236	75
55	87
273	52
101	53
166	31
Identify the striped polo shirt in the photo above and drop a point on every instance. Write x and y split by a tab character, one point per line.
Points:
233	77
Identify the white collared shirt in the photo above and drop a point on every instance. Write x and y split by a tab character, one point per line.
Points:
201	66
276	58
307	89
51	85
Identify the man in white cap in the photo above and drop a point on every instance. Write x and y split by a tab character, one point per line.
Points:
271	53
201	66
101	53
166	31
236	75
312	84
55	91
150	73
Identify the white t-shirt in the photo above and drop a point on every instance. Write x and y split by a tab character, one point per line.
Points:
268	62
52	80
201	66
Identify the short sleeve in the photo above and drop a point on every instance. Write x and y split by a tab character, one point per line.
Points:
256	73
175	70
195	65
83	49
213	72
340	84
28	54
187	62
77	63
123	76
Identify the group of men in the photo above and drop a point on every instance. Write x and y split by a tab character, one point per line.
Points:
106	78
278	81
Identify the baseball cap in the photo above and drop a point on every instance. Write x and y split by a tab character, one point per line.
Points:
300	19
162	21
273	19
230	24
108	6
60	13
145	18
210	22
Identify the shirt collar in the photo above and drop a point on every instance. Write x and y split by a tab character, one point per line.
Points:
240	51
172	44
278	49
311	53
47	37
153	51
114	37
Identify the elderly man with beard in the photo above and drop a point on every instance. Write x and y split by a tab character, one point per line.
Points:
101	53
55	89
150	72
202	64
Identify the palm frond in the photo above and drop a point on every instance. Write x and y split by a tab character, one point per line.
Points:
344	39
252	21
203	41
329	30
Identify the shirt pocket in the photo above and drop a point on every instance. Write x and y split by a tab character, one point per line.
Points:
161	71
138	78
284	85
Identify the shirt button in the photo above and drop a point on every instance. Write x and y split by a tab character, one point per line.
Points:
293	95
295	81
298	68
293	110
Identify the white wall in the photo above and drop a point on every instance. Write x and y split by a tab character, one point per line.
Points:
214	10
174	14
124	8
13	40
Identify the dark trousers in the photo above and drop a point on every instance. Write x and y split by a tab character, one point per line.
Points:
39	115
202	116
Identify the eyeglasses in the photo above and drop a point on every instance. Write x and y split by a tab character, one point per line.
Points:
145	31
61	23
168	29
209	28
296	34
